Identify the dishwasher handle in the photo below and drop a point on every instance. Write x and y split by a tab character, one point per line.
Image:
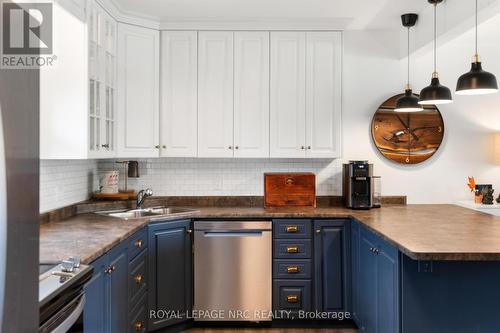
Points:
228	234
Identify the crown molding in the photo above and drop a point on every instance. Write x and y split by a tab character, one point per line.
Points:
123	16
223	23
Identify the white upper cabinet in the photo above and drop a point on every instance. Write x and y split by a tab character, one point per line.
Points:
288	72
251	94
306	94
138	91
179	79
215	94
323	94
63	89
101	82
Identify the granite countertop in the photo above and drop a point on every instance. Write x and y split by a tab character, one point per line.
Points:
422	232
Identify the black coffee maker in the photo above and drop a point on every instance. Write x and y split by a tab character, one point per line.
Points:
357	185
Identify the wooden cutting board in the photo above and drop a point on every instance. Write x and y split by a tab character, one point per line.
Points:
290	189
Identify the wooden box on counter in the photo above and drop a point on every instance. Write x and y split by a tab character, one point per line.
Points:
289	189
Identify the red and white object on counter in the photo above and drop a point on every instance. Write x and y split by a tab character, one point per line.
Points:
109	182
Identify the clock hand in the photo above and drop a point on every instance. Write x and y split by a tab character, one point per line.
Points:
407	127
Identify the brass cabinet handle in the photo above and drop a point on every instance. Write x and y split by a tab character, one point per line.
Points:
292	298
292	228
292	249
139	326
138	243
289	181
138	278
292	269
110	269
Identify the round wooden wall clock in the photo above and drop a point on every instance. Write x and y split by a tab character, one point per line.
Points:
407	137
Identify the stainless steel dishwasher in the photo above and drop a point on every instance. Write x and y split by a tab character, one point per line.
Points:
232	270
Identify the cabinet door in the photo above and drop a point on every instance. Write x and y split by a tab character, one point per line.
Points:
94	312
170	271
355	270
287	118
331	256
387	288
108	128
179	110
367	283
323	94
102	82
138	88
215	94
117	289
63	88
251	94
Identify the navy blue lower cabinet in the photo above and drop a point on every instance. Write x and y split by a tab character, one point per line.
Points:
450	296
94	314
106	309
107	297
376	278
117	286
170	292
355	271
332	266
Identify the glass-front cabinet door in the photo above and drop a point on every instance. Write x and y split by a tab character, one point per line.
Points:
102	82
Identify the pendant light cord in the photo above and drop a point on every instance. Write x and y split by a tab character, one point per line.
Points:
435	38
408	82
476	54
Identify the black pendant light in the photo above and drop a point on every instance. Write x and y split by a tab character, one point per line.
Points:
477	81
408	102
435	93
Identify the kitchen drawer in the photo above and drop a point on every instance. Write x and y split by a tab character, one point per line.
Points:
292	268
292	248
292	228
138	242
137	278
292	295
138	320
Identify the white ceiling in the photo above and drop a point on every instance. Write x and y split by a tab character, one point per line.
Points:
355	14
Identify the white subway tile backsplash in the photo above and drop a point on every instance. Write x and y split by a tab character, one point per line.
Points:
64	182
191	176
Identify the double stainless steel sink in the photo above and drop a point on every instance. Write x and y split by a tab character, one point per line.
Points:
130	214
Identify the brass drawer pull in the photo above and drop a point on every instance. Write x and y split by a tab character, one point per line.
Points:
292	299
292	228
290	181
138	243
292	249
138	278
292	269
139	326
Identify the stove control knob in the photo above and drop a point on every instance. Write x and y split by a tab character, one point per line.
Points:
67	266
76	261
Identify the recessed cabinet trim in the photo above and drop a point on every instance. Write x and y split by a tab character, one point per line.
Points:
179	86
215	94
138	83
251	94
